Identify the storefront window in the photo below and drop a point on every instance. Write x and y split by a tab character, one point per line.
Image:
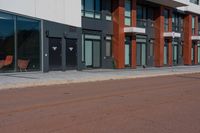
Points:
19	43
7	53
28	44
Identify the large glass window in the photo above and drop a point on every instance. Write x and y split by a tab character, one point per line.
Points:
28	44
127	12
195	1
182	23
166	20
7	53
193	25
175	22
108	10
141	16
19	43
199	26
91	8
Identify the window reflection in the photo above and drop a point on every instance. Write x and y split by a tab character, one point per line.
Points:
6	43
24	53
28	44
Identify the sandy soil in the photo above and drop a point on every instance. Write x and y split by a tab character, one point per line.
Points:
169	104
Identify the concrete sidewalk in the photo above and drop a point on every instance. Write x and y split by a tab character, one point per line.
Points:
22	80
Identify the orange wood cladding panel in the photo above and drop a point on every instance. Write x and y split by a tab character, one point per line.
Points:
134	23
159	38
118	33
187	39
134	51
170	50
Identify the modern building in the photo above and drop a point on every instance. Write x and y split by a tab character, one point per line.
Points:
46	35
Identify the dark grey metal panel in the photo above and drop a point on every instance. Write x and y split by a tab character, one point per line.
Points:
52	29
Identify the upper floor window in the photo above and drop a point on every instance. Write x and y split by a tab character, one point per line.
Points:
182	23
141	16
199	26
177	22
128	12
91	8
195	1
193	25
108	10
166	20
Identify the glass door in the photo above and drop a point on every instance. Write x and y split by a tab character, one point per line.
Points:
92	53
141	54
175	54
128	51
96	54
198	53
88	53
127	55
165	53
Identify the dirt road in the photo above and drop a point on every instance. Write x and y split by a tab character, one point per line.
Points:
168	104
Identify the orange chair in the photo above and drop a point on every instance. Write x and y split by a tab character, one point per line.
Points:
8	60
1	63
23	64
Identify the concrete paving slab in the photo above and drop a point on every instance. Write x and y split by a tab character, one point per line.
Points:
33	79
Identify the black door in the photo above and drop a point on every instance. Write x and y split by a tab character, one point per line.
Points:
55	53
71	52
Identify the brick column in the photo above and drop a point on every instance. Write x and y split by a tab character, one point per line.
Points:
133	42
118	30
170	49
187	39
159	38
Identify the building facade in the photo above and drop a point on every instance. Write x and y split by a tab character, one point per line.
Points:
85	34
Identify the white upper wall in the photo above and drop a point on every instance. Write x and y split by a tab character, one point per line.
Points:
191	8
61	11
